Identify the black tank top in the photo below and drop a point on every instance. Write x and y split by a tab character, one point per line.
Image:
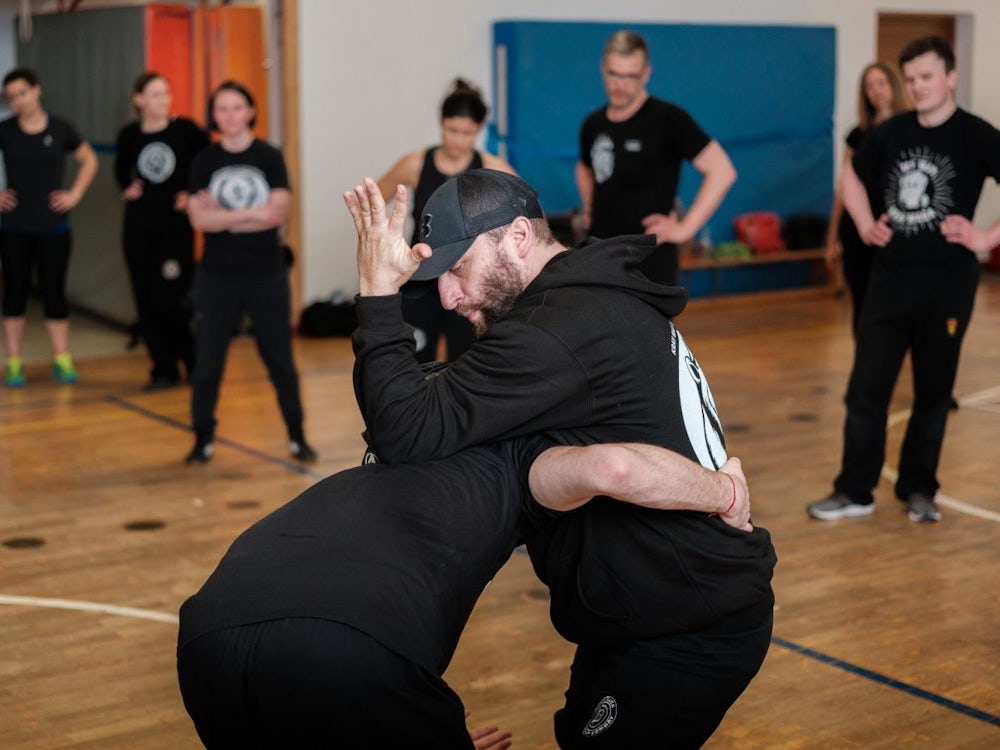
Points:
431	178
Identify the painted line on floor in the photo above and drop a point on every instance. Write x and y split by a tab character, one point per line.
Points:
882	679
949	502
172	619
286	463
980	400
108	609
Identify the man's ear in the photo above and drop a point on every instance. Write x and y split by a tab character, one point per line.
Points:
522	234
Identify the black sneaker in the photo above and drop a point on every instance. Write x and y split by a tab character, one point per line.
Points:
201	453
161	384
302	451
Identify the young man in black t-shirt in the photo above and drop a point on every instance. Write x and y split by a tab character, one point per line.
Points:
925	170
631	152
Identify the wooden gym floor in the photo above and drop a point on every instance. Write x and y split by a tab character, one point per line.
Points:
885	634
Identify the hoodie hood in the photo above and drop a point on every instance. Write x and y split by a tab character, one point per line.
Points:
615	263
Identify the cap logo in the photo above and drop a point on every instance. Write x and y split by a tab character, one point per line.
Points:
425	225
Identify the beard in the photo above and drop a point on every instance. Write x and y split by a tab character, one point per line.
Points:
501	287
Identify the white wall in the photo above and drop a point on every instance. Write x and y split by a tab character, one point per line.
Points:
373	76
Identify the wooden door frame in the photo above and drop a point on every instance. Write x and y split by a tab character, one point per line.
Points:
291	145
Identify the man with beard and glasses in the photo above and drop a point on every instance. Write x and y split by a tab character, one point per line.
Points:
631	153
671	611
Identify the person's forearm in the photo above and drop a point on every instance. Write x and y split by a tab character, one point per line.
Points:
412	419
855	199
84	175
585	187
566	477
992	236
216	219
718	175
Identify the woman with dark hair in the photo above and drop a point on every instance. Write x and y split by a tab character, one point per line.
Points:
463	113
152	167
880	96
239	199
35	229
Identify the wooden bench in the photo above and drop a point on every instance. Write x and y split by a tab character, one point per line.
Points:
760	272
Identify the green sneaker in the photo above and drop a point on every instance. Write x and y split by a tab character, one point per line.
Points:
63	370
14	373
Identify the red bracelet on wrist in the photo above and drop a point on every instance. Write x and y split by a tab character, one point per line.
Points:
733	503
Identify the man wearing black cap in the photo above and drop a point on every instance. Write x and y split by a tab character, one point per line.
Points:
671	612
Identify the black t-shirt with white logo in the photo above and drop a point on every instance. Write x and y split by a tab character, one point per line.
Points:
236	181
917	176
637	164
35	164
162	160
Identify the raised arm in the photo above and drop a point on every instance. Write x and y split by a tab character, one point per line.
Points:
717	176
585	187
406	172
832	248
565	477
63	200
495	162
855	199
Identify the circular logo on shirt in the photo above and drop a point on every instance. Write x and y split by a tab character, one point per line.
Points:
239	186
603	717
156	162
918	193
602	158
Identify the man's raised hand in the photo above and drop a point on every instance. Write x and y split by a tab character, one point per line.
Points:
385	259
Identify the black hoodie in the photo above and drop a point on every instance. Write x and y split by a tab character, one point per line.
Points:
588	354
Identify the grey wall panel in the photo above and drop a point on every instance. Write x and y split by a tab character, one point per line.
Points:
87	62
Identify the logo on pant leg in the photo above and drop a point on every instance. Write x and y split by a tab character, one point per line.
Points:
602	718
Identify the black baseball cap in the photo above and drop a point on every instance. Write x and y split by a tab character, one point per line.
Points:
463	208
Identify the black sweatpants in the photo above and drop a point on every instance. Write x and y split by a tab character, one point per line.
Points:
220	302
307	683
49	254
926	310
857	260
160	267
670	693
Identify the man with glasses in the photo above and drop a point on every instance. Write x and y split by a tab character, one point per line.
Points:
630	160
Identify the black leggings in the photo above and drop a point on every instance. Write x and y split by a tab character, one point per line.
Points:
19	254
308	683
160	267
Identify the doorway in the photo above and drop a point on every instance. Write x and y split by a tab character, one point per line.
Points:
896	30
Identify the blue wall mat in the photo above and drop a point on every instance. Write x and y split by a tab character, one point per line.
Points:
766	93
